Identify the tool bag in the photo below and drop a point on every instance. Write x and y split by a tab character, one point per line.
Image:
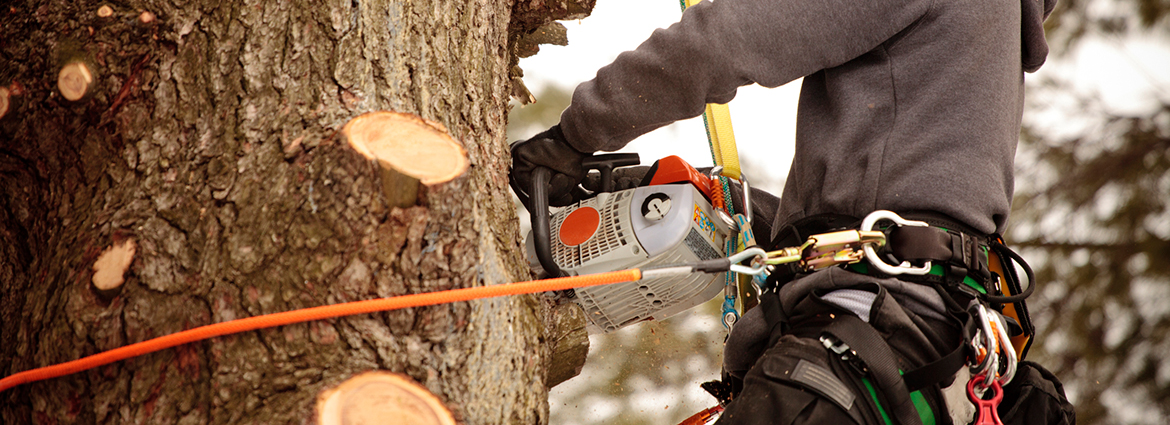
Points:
823	363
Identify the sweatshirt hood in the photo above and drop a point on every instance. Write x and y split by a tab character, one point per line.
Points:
1035	46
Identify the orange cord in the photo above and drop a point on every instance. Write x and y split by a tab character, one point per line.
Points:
315	313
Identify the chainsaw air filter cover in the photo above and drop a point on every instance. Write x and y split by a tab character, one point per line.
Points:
637	228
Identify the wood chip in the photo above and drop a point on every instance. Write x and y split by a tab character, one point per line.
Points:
3	101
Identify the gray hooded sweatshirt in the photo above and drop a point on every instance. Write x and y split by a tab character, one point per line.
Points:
906	104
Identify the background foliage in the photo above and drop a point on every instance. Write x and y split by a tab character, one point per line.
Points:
1092	214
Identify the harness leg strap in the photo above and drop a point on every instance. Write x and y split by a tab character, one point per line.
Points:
874	351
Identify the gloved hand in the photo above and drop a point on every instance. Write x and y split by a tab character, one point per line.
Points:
549	149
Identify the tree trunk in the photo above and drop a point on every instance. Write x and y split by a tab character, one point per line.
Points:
206	147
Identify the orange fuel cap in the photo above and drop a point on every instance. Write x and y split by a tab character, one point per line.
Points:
579	226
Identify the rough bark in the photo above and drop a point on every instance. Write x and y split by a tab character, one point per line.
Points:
208	136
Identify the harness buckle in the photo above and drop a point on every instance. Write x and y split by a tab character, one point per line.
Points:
847	354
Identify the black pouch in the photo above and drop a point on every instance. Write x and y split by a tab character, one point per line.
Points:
1036	397
797	382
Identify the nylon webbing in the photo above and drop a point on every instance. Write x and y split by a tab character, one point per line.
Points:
875	352
717	118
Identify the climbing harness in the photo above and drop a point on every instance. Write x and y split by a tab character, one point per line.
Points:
940	258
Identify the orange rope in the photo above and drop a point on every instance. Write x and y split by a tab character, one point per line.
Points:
315	313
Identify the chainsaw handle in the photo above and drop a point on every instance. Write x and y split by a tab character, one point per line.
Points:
537	201
541	233
606	163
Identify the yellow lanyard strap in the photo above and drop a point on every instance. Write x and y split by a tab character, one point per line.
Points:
718	120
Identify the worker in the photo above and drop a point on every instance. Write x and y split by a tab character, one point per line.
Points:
911	106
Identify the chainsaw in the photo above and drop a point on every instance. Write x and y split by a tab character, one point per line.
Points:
667	219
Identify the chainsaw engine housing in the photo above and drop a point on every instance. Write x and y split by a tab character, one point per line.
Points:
643	228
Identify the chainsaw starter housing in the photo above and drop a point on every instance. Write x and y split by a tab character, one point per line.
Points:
644	227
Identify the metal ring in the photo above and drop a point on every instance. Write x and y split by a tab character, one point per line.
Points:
726	218
729	319
715	172
747	199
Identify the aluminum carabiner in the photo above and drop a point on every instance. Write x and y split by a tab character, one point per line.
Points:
986	339
871	254
1005	347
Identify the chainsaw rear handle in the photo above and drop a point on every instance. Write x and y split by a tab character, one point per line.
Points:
605	163
537	202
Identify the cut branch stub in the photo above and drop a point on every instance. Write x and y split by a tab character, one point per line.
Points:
409	150
3	101
381	397
73	81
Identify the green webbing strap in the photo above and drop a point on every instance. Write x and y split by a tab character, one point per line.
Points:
935	270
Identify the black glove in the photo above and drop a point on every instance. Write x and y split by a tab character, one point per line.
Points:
549	149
